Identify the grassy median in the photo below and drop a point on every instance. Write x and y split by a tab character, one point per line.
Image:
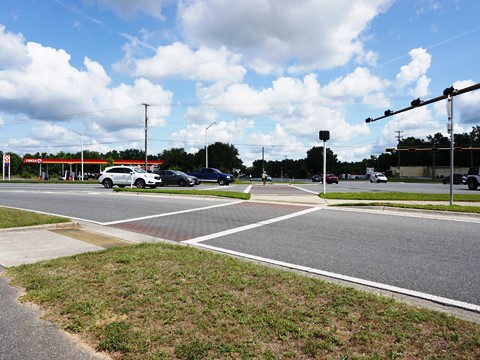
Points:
13	218
401	200
162	301
217	193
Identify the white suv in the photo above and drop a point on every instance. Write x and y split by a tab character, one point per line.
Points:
128	176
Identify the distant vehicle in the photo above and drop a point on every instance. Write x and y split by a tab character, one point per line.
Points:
457	179
378	178
128	175
473	177
213	175
329	178
175	177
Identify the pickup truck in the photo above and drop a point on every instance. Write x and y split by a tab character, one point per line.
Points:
213	175
473	177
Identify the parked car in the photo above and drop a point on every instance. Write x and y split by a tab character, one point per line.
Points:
457	179
175	177
329	178
378	178
128	175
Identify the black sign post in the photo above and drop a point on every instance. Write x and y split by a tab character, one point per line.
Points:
324	135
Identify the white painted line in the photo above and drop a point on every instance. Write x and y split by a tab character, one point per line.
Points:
395	289
457	217
247	190
172	213
249	226
308	191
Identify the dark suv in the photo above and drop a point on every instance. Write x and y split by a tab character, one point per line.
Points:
457	179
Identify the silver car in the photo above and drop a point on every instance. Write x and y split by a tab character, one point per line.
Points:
122	176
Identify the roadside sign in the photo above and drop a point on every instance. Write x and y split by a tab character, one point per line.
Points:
6	158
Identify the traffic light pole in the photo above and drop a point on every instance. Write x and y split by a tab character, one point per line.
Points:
448	93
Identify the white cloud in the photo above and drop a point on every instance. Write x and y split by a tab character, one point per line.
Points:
47	87
300	35
179	61
192	137
358	83
13	52
417	67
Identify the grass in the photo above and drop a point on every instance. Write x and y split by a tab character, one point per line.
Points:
382	199
219	193
400	196
432	207
162	301
13	218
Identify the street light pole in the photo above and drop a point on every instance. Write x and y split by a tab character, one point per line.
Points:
450	129
206	144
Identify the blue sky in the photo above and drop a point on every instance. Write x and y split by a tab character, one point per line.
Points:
269	73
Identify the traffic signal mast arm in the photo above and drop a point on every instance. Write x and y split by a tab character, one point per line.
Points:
417	102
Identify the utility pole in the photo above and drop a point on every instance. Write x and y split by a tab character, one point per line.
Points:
399	137
146	133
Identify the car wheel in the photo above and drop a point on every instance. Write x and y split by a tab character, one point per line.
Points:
472	184
182	183
140	183
221	182
107	183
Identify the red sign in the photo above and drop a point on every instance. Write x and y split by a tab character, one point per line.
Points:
6	158
32	161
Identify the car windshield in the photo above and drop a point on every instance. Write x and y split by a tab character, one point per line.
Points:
139	170
180	173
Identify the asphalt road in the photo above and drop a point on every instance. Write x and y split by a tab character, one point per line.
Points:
433	256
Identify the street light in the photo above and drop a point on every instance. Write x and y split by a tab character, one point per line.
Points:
81	134
206	144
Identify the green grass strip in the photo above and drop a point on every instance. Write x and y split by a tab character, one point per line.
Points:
399	196
13	218
219	193
453	208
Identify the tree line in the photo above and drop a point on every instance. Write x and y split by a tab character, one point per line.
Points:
226	158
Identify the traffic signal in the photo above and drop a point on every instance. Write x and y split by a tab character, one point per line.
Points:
390	150
324	135
416	102
412	149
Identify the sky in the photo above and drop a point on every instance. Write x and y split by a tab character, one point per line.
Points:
258	74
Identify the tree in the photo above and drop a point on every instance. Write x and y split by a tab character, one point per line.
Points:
314	160
220	155
178	159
